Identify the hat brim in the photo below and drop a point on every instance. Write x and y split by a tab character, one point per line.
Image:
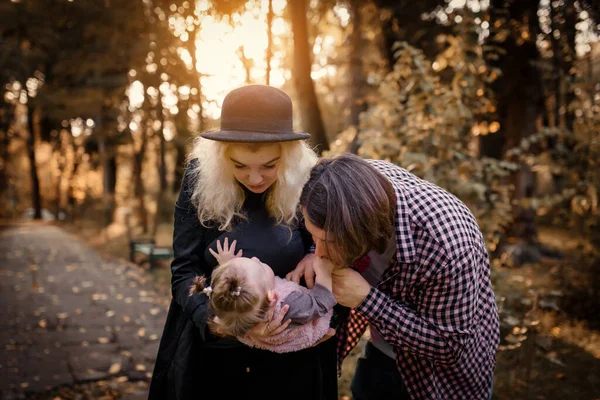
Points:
253	137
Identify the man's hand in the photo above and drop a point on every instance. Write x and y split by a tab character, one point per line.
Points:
305	268
349	287
225	253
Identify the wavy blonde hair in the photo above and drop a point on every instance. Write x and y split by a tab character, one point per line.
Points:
219	199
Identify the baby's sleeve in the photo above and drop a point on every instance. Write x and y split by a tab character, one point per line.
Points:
309	305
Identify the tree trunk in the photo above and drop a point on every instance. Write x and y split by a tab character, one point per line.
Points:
183	134
356	100
6	117
558	69
162	166
312	121
139	191
109	172
570	31
520	103
403	22
35	181
269	51
61	169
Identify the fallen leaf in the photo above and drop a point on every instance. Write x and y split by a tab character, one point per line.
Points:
142	332
140	367
510	320
103	340
115	368
42	323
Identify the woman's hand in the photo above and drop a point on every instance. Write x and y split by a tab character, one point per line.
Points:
272	326
225	253
305	268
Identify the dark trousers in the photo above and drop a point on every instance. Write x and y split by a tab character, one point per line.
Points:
376	377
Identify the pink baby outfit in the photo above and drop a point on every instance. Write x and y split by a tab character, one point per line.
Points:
295	337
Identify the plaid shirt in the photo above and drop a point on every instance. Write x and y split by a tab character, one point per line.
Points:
434	304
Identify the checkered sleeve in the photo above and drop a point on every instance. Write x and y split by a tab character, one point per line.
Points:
442	324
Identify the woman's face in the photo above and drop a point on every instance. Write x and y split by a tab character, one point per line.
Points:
255	166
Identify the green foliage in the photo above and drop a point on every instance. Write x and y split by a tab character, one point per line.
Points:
422	120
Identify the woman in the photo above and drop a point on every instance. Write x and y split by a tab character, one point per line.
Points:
242	183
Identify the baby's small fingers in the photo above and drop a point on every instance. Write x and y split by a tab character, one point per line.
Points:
232	247
281	314
212	252
219	247
226	244
281	328
239	253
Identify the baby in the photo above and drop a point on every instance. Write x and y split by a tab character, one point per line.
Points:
243	291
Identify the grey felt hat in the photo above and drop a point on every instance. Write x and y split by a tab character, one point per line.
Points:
256	113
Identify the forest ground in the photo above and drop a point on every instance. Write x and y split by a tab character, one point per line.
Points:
549	314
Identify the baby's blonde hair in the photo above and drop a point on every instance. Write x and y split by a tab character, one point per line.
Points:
219	199
237	304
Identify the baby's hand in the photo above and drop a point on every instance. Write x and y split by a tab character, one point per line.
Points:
225	253
323	266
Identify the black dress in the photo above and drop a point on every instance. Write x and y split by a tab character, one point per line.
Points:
194	363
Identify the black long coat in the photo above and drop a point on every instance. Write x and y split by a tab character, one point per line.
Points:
193	363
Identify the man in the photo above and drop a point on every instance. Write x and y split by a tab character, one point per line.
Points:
420	280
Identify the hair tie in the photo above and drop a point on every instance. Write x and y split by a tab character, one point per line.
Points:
237	291
207	290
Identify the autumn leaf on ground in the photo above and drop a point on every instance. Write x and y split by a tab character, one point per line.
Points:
114	368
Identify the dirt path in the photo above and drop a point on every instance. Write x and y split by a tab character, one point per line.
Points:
70	317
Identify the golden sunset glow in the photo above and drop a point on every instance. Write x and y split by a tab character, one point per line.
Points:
231	51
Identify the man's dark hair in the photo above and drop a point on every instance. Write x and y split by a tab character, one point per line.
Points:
352	203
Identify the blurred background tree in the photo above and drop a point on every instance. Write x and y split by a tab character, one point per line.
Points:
494	100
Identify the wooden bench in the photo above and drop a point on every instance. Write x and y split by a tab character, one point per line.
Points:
145	246
149	249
